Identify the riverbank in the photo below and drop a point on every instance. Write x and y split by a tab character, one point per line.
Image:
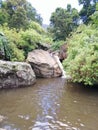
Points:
39	64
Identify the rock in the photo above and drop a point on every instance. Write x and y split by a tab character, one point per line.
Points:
60	65
2	55
63	52
1	118
43	46
44	64
15	74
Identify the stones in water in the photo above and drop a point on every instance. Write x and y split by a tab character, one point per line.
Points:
16	74
1	118
43	64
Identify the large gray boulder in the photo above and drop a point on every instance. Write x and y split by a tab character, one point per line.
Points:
43	64
15	74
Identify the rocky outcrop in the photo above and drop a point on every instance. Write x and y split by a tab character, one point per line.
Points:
63	52
15	74
43	64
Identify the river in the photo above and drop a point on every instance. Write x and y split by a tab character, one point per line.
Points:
50	104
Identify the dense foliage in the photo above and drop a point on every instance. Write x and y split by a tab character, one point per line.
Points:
56	45
63	22
18	14
22	29
4	47
82	61
94	17
12	39
89	7
18	44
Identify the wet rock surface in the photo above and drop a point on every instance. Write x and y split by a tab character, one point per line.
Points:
16	74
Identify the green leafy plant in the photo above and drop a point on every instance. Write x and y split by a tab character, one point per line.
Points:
56	45
12	40
82	61
29	40
23	41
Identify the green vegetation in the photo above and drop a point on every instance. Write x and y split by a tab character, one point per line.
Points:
18	14
22	30
63	22
94	17
89	7
12	40
82	61
22	42
56	45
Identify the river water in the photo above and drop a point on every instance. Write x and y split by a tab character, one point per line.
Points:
50	104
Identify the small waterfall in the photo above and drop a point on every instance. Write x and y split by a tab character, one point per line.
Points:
61	67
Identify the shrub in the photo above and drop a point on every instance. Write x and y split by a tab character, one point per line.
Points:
82	61
37	27
56	45
12	40
19	43
29	40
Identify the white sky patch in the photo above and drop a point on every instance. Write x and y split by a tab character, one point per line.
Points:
46	7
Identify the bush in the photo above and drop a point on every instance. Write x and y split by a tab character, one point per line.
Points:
12	40
18	44
82	61
37	27
45	37
29	40
94	19
56	45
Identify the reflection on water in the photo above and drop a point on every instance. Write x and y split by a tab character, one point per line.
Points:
51	104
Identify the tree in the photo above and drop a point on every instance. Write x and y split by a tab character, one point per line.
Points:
18	14
19	19
32	14
87	10
94	17
63	21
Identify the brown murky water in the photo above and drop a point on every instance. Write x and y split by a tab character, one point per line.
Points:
51	104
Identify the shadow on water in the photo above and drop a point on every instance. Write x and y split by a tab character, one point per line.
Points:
50	104
82	88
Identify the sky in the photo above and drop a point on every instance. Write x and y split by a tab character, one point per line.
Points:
46	7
